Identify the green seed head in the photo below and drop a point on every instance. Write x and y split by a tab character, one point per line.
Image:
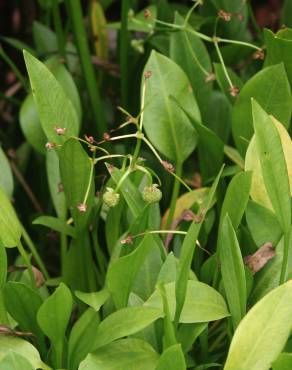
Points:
111	198
152	194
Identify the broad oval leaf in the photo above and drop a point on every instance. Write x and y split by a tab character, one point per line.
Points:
172	359
258	190
82	337
10	229
273	165
130	354
190	53
262	334
54	314
22	348
93	299
166	125
54	107
202	303
76	170
273	94
124	322
127	267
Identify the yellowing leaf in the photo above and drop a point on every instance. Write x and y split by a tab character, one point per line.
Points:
258	190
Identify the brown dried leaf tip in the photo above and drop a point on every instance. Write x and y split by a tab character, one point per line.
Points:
260	258
234	91
60	188
127	240
81	207
224	15
5	330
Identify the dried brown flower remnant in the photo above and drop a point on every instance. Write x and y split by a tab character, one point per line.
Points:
147	74
234	91
147	13
168	166
50	145
211	77
259	54
60	130
127	240
260	258
89	139
81	207
224	15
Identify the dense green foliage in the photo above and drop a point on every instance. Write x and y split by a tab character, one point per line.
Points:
166	179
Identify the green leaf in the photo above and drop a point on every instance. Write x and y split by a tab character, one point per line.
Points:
252	163
236	198
167	127
54	181
76	175
54	106
124	322
82	336
14	361
202	303
55	224
279	48
3	265
53	317
22	348
29	117
23	303
262	224
172	359
31	126
188	248
263	332
94	300
44	39
273	164
190	53
283	362
10	229
232	270
286	15
130	354
273	94
6	178
218	118
127	267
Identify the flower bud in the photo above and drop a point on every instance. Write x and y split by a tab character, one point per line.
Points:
111	198
151	194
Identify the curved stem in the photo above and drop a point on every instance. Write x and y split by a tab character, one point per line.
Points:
174	196
34	252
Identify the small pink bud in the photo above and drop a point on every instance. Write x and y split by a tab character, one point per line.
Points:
234	91
148	74
106	136
81	207
60	130
168	166
147	13
259	54
89	139
50	145
127	240
210	77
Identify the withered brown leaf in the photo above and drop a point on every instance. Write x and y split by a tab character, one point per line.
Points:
260	258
